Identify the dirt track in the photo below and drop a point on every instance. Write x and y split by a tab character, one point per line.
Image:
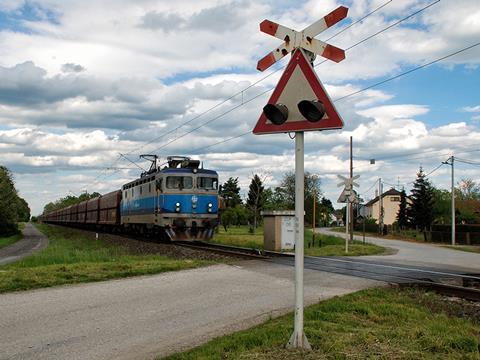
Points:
33	241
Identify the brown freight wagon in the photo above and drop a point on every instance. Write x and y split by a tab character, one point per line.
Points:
74	213
82	212
67	213
92	211
109	205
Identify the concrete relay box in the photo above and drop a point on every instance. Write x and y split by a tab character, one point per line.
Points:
278	230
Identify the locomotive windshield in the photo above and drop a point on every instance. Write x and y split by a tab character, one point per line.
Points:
179	182
207	183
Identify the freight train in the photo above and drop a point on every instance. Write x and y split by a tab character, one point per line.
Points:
177	202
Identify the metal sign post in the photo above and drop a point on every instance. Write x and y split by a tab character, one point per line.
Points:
298	338
300	103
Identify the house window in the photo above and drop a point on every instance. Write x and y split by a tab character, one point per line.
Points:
395	198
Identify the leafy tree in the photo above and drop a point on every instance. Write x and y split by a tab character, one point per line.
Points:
12	207
23	210
242	215
467	189
402	219
228	217
285	193
420	213
324	210
8	203
230	191
255	198
442	208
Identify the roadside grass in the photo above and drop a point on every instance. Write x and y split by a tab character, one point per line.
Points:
9	240
381	323
467	248
72	257
240	236
329	245
5	241
324	245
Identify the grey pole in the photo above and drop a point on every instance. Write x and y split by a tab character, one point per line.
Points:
453	202
298	338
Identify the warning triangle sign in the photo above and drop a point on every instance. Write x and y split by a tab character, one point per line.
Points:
299	82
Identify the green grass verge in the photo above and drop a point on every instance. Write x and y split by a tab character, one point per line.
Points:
372	324
5	241
72	257
330	245
240	236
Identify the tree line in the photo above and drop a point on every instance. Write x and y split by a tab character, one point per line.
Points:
13	208
428	205
282	197
67	201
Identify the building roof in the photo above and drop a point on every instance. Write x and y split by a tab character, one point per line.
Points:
391	192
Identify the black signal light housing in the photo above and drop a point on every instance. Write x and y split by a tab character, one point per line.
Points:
312	110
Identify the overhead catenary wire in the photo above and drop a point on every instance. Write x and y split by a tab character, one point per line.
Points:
391	79
262	79
268	90
264	92
251	85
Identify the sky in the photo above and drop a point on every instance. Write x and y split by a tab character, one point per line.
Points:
82	82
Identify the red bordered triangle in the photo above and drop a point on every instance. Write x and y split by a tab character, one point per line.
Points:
299	82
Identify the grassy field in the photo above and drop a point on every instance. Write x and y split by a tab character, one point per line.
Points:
372	324
324	245
5	241
72	257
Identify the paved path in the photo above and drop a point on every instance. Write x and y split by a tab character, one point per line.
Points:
421	254
144	317
33	241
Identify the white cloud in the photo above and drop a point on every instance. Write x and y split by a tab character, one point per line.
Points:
104	77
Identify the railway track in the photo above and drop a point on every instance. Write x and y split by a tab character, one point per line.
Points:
451	283
448	282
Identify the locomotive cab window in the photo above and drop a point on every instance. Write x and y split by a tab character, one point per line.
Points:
207	183
179	182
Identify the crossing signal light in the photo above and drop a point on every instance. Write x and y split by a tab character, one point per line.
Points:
312	110
276	113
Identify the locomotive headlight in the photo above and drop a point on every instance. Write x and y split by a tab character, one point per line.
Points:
177	207
210	206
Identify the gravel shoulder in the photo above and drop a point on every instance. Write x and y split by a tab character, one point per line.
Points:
33	241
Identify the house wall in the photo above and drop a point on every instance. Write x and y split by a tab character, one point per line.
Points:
391	204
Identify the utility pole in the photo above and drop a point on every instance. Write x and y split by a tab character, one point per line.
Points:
314	210
451	161
349	203
380	203
453	201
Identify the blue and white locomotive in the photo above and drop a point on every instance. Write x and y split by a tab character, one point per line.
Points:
177	202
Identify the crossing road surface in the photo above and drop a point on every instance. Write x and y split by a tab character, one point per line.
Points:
420	254
144	317
33	241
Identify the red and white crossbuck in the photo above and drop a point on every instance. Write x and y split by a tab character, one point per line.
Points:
303	39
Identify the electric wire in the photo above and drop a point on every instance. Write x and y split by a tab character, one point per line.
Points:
262	79
266	91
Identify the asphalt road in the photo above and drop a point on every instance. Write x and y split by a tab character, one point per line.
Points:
144	317
33	241
420	254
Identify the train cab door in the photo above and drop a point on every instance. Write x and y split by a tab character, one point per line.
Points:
158	196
